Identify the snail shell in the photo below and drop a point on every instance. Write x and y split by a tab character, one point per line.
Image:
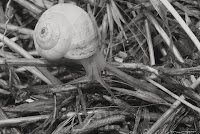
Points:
65	31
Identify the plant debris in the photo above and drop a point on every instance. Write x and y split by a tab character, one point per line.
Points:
153	47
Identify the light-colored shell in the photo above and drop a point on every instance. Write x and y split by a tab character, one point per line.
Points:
65	31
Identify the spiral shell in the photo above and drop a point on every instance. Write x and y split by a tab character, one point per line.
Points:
65	31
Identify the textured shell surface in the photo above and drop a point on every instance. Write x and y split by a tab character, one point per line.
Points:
65	31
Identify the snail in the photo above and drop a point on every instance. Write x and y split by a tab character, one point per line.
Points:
65	32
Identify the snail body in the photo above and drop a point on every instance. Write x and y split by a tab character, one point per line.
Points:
66	32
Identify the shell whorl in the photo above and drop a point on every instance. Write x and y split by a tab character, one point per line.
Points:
65	31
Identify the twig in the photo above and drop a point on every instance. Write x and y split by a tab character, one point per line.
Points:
164	36
18	121
99	123
4	116
165	116
29	6
48	78
175	96
17	29
150	44
182	23
26	62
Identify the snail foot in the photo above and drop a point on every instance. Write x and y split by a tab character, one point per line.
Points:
83	79
102	82
93	67
88	78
